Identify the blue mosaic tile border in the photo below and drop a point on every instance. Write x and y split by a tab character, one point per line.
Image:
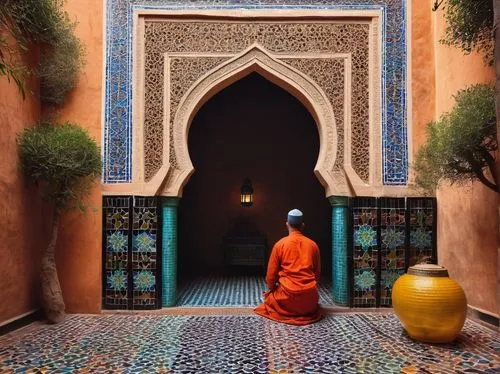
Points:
118	94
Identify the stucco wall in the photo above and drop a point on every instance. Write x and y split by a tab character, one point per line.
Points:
467	218
26	219
79	247
22	230
422	72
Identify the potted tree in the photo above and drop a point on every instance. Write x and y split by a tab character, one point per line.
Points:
64	161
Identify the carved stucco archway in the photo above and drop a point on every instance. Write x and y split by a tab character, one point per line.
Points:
337	80
254	59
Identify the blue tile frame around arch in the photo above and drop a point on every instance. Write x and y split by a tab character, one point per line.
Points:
118	88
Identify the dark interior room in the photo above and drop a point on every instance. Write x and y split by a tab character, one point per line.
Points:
252	129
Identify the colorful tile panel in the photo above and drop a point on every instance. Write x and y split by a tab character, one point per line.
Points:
341	343
117	166
144	252
365	252
392	245
116	213
388	236
422	229
130	240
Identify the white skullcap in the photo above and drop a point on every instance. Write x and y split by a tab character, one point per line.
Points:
295	217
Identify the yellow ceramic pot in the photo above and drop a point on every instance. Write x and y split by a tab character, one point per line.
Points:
430	305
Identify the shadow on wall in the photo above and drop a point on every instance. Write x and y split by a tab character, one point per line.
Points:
251	129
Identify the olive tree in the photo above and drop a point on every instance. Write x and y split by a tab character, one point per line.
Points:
64	161
461	145
475	25
46	25
469	25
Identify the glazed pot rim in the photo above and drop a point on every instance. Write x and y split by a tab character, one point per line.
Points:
428	270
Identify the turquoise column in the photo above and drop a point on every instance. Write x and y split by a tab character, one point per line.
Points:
340	274
169	251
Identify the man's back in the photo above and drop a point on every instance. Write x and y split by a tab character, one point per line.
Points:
294	263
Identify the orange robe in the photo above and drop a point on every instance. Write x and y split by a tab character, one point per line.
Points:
292	277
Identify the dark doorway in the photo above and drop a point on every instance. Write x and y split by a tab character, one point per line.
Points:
253	129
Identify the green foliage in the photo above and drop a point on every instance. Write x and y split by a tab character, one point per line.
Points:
460	146
63	159
9	68
60	66
470	26
44	23
33	21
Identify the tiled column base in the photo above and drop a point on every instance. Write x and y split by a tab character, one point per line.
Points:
169	251
340	280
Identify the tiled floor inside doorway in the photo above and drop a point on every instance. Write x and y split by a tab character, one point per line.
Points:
236	291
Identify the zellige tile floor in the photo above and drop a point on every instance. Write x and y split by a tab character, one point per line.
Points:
339	343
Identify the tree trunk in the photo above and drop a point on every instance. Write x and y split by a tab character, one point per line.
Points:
52	299
496	28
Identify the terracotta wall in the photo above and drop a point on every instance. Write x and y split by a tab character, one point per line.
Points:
422	72
22	231
26	220
256	129
79	247
467	218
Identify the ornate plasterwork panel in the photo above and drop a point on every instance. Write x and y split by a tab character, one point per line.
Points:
232	37
330	74
176	57
257	59
121	19
183	71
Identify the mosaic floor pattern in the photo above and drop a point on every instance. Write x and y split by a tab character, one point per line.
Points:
232	291
341	343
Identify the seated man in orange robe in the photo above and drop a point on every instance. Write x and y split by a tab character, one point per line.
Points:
292	277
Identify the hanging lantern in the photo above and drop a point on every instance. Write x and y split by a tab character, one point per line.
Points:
246	193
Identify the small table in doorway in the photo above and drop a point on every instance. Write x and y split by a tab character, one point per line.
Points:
246	251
